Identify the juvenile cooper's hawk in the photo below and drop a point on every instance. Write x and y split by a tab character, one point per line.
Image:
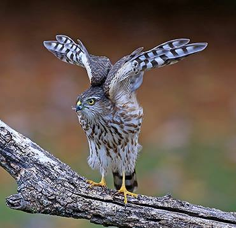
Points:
108	111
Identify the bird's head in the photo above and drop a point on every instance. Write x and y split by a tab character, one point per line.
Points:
92	103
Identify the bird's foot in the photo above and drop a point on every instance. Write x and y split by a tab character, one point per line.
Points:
102	183
125	193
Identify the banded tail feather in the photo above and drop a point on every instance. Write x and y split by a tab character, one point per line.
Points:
130	181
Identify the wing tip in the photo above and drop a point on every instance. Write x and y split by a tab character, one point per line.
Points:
200	46
181	41
204	45
185	41
47	44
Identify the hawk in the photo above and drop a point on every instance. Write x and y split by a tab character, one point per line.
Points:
108	111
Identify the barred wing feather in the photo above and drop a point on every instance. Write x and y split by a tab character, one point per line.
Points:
161	57
65	49
165	54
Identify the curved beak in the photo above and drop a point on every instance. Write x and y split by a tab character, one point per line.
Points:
79	106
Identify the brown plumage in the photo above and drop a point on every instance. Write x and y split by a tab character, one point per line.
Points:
108	111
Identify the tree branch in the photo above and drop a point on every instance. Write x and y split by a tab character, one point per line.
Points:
48	186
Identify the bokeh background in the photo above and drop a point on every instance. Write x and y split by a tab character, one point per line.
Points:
188	133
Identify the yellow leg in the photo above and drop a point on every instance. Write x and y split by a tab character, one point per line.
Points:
125	191
102	183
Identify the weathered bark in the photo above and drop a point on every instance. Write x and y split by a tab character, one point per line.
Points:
48	186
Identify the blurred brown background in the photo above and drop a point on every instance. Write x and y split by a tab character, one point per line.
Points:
188	133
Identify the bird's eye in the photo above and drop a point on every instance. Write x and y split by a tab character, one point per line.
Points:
91	101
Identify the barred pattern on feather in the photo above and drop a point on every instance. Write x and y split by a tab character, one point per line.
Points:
108	111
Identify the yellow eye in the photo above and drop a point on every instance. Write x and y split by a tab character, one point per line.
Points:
91	101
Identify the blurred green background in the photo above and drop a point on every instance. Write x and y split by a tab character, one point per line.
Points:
188	133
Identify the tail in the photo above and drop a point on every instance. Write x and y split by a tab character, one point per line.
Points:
130	181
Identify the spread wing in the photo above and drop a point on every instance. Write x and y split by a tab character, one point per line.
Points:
128	75
65	49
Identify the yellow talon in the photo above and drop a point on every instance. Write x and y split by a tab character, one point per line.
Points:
125	191
102	183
